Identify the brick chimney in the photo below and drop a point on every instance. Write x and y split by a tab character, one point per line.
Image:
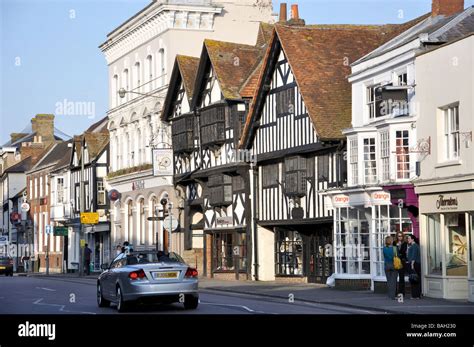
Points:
295	17
283	12
446	7
43	125
16	136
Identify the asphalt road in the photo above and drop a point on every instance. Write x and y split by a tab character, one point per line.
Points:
39	295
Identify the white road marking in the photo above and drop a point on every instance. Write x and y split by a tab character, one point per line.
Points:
48	289
61	307
230	305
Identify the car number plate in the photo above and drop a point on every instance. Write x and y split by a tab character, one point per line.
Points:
2	267
164	275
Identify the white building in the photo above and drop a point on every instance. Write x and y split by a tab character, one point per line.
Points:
383	149
140	54
445	78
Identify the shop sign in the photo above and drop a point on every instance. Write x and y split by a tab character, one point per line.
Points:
60	231
398	194
89	218
137	185
226	220
447	203
380	198
340	200
162	162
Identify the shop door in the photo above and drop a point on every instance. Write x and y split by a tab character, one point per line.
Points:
319	259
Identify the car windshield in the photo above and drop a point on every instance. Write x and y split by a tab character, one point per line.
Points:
153	257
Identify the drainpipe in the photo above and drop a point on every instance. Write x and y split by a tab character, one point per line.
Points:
254	170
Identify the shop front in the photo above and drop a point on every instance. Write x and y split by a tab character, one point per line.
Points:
447	239
362	220
99	241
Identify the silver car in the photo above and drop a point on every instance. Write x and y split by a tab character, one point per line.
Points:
147	277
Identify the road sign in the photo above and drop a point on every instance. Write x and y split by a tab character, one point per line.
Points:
3	240
83	243
89	218
174	223
25	207
48	229
60	231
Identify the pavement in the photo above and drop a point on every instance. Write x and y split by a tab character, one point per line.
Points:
359	301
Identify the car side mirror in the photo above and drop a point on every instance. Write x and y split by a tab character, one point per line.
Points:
104	266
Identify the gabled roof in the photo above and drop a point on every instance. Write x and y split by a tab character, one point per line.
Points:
264	36
439	29
232	63
59	153
319	57
22	166
184	69
96	142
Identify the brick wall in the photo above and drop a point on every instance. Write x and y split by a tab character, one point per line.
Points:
43	125
290	280
353	284
447	7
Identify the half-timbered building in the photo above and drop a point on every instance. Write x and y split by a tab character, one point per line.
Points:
209	169
300	106
92	147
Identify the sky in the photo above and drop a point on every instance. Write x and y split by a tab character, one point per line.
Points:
50	59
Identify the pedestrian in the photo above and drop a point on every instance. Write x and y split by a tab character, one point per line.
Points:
414	266
87	258
402	246
390	272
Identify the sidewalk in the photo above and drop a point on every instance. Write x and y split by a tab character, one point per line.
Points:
317	293
322	294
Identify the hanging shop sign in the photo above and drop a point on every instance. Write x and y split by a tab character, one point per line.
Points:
89	218
25	207
162	162
114	195
225	220
340	200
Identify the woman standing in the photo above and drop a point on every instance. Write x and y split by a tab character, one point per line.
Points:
390	272
402	246
414	261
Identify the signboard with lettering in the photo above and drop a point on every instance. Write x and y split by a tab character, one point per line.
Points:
60	231
138	185
340	200
447	203
380	198
89	218
225	220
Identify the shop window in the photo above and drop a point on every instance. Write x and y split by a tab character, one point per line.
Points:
456	244
471	249
223	252
352	241
288	253
435	262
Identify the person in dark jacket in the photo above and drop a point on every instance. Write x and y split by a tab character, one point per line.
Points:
414	263
402	247
87	258
390	272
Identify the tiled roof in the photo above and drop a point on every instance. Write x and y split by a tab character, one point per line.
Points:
188	68
320	57
233	63
22	166
96	142
265	31
249	87
60	152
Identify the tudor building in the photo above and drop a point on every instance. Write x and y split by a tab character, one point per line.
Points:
302	103
206	129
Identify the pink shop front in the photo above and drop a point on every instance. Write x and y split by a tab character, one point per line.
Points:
363	217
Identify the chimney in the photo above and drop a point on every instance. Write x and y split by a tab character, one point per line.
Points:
295	17
16	136
43	125
446	7
283	12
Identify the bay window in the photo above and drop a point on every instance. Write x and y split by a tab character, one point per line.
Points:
370	162
295	176
403	154
220	190
270	176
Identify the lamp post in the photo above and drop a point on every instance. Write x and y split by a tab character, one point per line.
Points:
122	92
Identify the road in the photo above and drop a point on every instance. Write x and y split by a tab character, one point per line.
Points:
41	295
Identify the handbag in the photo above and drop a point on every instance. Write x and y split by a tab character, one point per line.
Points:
414	278
397	262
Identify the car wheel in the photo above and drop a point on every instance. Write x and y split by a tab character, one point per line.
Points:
122	306
191	302
101	302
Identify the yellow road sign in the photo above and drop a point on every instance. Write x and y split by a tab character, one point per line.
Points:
83	243
89	218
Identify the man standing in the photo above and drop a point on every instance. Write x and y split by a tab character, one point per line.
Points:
87	258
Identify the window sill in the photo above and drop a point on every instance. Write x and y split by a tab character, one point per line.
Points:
448	163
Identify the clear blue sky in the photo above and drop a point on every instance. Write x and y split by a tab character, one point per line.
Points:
49	50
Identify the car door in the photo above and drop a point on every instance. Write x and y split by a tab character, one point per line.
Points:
115	272
108	283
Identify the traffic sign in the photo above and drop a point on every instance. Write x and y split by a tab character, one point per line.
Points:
25	207
89	218
170	220
83	243
48	229
60	231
